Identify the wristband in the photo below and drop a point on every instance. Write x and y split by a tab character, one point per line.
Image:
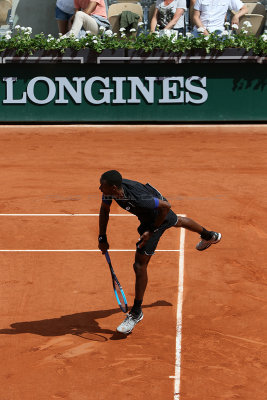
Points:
102	238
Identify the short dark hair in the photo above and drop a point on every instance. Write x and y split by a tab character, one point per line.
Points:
112	177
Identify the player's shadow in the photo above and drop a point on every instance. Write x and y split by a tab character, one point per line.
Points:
75	324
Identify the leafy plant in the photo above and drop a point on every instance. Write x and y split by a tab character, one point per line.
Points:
22	42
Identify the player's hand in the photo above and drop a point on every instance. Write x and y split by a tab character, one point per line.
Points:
103	247
103	243
144	238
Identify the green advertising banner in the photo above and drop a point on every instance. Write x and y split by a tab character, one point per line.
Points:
133	92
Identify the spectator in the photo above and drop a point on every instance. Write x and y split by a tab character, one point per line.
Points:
209	15
64	12
90	15
169	15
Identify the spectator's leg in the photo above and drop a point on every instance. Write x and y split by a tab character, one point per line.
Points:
83	20
62	26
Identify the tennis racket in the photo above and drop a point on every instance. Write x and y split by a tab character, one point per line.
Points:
119	294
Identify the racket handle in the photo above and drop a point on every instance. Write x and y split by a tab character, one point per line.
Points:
107	257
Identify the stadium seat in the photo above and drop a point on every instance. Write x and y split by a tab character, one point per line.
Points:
5	7
115	10
256	16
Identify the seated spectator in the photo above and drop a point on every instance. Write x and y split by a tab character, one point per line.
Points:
169	15
64	12
209	15
89	15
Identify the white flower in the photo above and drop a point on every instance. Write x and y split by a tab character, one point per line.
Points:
156	34
167	32
7	37
227	24
76	40
102	28
225	33
264	37
8	32
206	37
174	40
122	29
180	34
247	24
188	34
95	41
201	29
123	35
17	27
115	34
132	30
29	29
245	32
49	36
140	23
23	28
60	34
235	26
88	32
108	32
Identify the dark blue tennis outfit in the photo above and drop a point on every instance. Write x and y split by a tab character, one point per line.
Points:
142	201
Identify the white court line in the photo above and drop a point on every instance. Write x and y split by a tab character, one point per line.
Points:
177	377
77	250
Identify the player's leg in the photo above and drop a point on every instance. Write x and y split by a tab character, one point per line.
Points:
207	237
141	279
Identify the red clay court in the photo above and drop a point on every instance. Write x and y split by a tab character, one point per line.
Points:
58	310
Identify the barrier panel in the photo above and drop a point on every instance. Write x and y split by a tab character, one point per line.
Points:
130	86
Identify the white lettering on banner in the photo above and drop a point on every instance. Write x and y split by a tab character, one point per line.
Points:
119	90
51	90
10	93
172	89
64	84
196	89
104	90
148	94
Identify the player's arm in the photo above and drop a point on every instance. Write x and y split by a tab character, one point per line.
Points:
103	223
163	207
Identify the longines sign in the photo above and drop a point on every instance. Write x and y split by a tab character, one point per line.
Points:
118	93
99	90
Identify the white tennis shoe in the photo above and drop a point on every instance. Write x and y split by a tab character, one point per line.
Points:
129	323
204	244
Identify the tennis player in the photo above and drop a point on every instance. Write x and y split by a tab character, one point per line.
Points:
155	216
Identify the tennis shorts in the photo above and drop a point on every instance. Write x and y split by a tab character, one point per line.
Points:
151	244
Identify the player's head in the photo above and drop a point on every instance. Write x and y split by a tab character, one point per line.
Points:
110	182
